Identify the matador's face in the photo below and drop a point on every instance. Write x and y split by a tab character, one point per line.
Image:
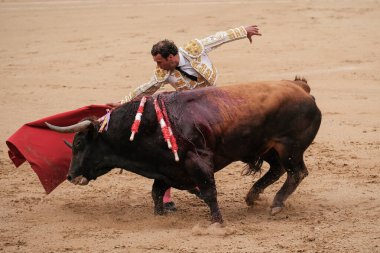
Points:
169	63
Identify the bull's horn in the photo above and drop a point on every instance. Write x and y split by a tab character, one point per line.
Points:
70	129
70	145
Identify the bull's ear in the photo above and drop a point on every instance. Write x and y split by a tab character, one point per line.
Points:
93	130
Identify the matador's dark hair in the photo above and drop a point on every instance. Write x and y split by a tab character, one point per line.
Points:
164	48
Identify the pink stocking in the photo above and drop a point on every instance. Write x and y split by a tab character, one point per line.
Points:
167	197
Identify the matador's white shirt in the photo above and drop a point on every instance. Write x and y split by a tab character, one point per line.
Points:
193	59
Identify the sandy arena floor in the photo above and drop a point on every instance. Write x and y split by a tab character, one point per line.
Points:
60	55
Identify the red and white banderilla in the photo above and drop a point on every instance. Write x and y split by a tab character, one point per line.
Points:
136	123
161	121
171	135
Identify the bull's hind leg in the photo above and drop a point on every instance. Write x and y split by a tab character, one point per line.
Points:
158	191
200	167
296	171
273	174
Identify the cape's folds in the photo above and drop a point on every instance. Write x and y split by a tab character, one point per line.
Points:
44	149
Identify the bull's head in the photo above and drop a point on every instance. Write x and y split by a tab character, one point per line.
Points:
87	154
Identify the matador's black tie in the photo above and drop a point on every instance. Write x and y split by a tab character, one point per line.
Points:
191	77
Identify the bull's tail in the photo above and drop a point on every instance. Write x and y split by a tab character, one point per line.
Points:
253	167
302	82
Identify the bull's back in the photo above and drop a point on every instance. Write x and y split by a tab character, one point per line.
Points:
247	115
263	95
229	106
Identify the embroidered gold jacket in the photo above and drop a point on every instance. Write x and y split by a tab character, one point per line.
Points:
195	51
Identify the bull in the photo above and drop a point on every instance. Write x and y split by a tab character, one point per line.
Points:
273	122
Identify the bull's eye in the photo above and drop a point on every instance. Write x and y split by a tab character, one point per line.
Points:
78	145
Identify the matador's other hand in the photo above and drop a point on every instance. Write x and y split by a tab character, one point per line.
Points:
251	31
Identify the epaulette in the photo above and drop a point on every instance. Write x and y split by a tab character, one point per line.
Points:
193	48
161	74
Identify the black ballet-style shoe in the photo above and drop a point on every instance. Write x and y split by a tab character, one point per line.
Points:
170	207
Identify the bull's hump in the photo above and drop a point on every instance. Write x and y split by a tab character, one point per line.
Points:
261	98
255	91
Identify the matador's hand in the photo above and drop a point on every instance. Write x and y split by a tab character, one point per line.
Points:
251	31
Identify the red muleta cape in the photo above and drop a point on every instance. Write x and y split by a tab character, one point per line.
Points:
44	149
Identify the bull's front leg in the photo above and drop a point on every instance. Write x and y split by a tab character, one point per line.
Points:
209	195
200	167
158	191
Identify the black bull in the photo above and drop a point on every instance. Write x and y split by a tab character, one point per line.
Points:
266	121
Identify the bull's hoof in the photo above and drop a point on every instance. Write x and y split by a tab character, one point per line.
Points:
216	225
275	210
251	198
159	212
216	219
170	207
249	201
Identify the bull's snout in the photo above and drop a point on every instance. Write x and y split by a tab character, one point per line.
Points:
81	180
